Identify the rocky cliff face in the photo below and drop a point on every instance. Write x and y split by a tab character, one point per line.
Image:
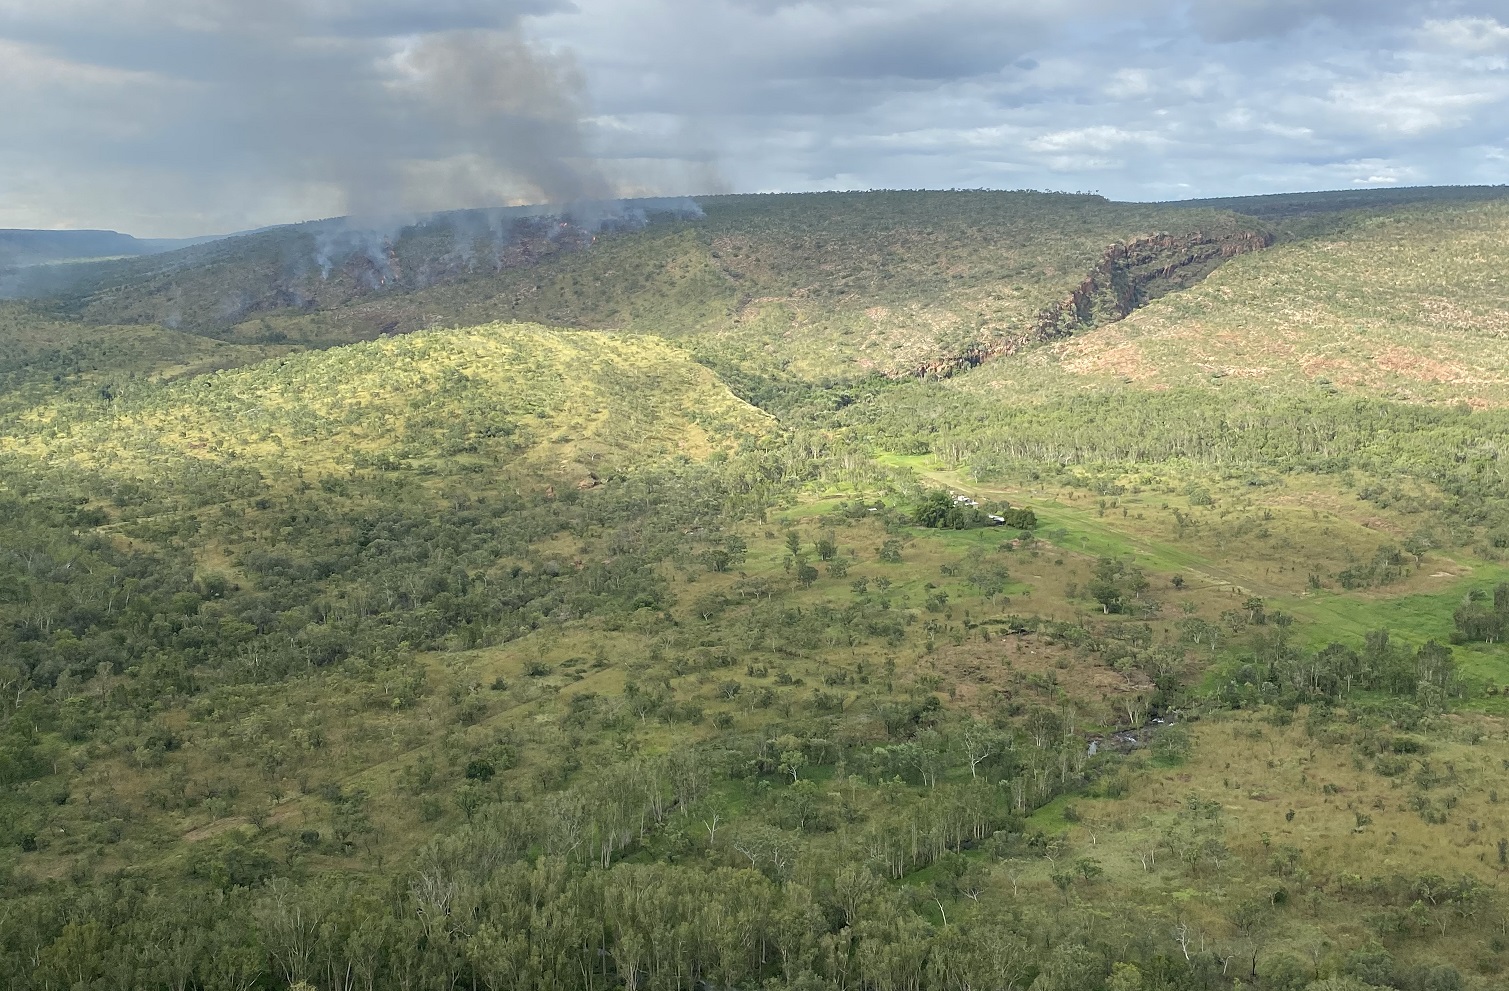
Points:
1129	275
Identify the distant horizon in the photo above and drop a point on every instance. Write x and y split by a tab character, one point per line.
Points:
172	118
407	217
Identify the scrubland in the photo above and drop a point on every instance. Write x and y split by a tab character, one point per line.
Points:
507	655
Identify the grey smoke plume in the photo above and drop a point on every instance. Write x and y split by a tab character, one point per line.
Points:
298	108
376	251
513	113
465	118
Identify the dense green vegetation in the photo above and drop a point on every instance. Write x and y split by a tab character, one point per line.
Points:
1483	618
515	657
941	509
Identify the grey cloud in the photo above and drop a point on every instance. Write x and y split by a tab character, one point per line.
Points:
1239	20
1245	20
783	54
953	45
285	108
1155	105
373	107
72	18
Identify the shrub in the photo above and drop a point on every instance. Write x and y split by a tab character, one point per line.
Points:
1172	745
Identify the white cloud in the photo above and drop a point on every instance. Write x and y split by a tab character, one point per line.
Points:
25	67
1101	138
1467	35
1130	84
1417	102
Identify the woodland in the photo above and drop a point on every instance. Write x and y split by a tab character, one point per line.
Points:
906	591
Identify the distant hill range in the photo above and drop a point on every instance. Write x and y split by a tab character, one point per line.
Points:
1283	206
22	249
900	282
803	286
215	282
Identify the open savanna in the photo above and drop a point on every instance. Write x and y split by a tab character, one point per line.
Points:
1276	841
348	768
645	656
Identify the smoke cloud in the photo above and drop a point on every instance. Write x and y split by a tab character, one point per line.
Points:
515	114
276	110
374	249
469	118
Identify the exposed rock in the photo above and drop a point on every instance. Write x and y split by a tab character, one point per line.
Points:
1127	276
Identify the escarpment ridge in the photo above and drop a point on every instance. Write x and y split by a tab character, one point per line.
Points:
1129	275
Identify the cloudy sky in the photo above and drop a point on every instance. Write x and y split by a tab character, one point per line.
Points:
180	117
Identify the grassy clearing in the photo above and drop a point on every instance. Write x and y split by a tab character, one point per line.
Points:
1266	543
1305	530
1301	807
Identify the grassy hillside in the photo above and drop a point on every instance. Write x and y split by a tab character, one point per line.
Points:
485	399
35	344
1410	305
209	288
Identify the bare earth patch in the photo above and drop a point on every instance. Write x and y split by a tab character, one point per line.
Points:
980	676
